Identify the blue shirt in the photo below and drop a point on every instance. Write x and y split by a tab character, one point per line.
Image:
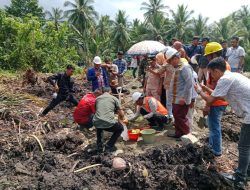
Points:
193	50
91	77
121	64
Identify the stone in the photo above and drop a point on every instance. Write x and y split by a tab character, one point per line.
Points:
187	139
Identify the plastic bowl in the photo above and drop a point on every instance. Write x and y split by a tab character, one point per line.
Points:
133	136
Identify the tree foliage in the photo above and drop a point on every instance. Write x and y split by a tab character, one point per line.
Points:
56	15
21	8
24	44
79	33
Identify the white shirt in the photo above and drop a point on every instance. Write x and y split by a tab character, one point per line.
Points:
235	88
153	106
234	55
195	80
133	63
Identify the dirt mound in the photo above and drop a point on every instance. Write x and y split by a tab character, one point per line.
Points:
231	125
164	167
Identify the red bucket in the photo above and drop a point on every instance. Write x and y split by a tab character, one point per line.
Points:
133	136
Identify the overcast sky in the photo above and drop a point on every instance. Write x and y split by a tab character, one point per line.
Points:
213	9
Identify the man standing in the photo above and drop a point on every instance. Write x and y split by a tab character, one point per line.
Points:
179	47
122	67
229	85
85	110
153	83
151	109
142	69
111	69
134	64
235	55
97	75
225	48
180	91
193	49
215	110
63	86
203	62
104	119
167	71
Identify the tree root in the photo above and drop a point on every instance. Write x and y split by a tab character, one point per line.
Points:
38	142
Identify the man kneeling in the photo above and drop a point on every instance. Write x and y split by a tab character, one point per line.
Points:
104	119
151	109
85	110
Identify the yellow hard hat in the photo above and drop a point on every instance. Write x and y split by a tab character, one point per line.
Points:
212	47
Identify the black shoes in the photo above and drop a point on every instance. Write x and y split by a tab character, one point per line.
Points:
239	182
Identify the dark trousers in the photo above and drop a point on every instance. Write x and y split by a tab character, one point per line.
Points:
134	71
58	100
116	129
244	152
156	120
87	125
180	119
163	97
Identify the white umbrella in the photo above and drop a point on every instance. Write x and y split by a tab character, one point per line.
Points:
146	47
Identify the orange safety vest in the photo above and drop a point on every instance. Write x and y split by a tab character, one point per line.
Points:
212	84
160	108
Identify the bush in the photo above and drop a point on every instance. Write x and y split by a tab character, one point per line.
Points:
247	63
26	43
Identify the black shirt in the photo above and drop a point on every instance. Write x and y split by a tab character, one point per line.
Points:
64	82
203	62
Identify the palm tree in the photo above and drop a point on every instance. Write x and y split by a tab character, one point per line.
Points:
82	14
224	29
200	25
152	8
181	22
157	27
56	16
103	27
242	19
138	32
101	42
121	36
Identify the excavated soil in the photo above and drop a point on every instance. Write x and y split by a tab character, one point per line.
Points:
24	164
231	125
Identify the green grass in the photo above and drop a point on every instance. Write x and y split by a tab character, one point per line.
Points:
8	73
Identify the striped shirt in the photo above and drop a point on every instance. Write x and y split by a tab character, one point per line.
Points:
182	84
121	64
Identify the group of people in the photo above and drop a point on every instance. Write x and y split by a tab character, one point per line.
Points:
210	70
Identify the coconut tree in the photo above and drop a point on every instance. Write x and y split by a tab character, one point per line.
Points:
56	15
242	18
103	28
224	29
157	27
181	22
200	25
138	31
101	41
153	7
121	37
81	14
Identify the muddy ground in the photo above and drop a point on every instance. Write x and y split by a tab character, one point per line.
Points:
167	164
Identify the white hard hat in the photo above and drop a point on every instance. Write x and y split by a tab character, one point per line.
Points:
136	96
97	60
170	53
